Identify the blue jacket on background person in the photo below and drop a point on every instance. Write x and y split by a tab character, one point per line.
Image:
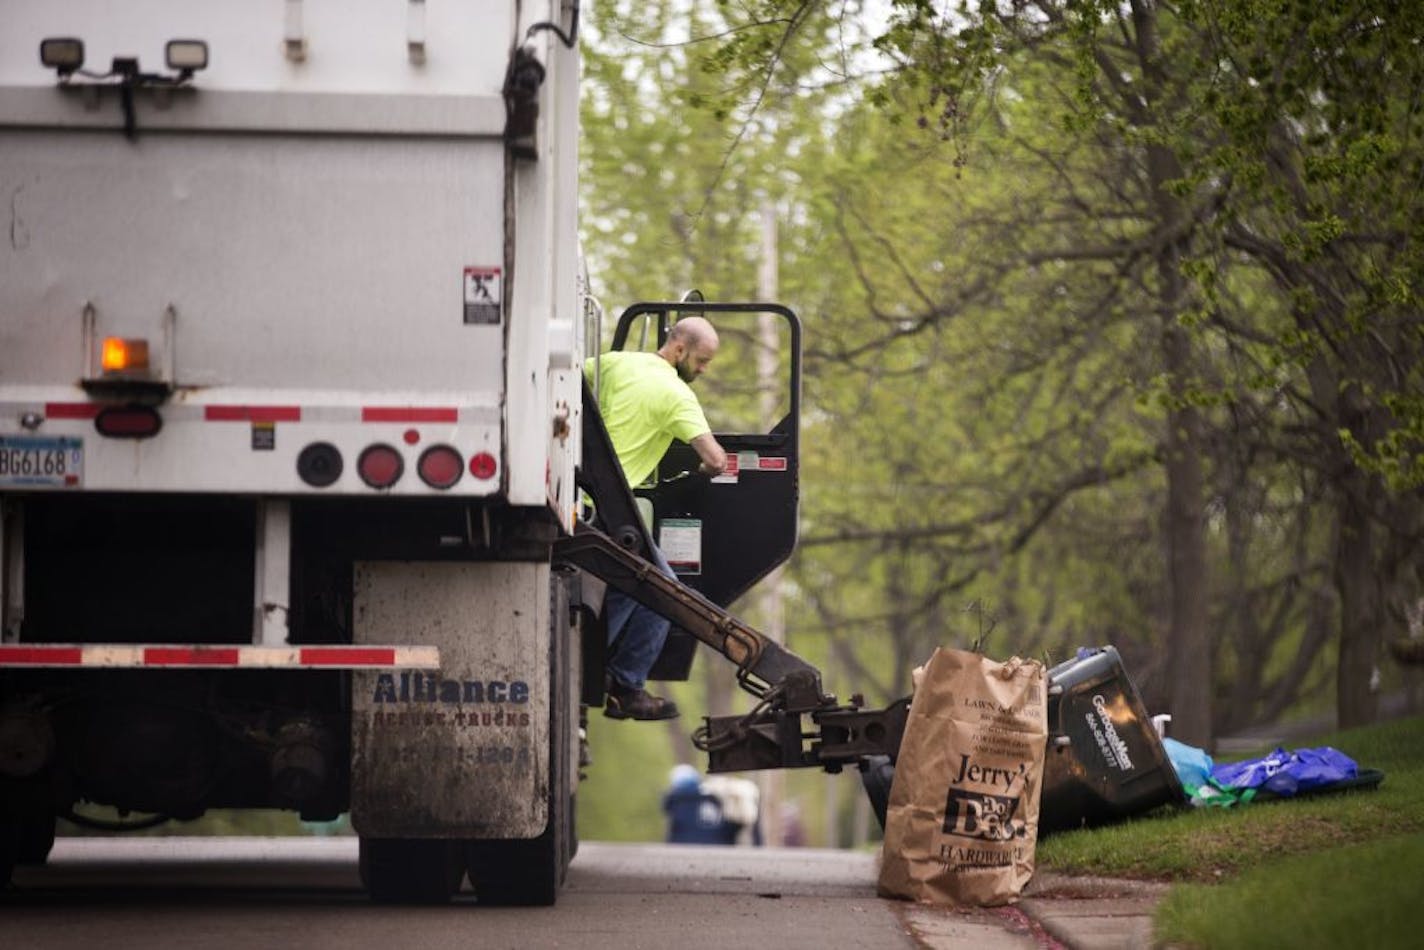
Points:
694	816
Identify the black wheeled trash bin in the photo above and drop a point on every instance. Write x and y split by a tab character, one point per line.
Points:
1105	760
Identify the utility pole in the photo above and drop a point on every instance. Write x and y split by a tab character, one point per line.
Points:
771	601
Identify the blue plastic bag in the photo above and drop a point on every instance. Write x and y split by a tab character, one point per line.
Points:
1192	765
1285	773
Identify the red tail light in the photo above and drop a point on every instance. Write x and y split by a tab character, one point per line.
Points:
128	422
483	466
440	466
380	466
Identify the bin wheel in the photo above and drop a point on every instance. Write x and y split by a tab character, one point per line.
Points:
876	776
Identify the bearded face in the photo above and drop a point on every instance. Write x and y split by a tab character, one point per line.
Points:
685	369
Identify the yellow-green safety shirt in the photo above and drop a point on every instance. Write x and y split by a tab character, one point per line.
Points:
645	405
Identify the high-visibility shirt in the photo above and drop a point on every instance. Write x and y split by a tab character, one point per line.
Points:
645	405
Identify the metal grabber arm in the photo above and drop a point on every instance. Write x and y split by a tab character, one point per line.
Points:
794	723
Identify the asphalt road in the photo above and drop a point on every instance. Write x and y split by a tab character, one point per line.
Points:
304	892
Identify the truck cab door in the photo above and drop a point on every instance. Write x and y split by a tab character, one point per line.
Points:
724	534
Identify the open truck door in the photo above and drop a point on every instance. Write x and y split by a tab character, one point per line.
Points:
722	535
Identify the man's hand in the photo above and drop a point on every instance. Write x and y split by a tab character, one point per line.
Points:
710	451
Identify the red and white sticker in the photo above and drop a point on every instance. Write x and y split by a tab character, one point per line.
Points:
217	656
740	462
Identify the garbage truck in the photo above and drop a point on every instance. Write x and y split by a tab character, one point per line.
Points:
304	501
294	435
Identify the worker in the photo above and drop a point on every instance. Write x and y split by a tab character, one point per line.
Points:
694	815
646	402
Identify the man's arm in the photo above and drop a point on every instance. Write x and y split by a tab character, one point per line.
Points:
710	451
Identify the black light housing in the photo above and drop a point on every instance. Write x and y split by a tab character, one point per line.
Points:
63	54
319	464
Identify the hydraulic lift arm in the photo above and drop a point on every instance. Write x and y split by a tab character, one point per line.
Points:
795	724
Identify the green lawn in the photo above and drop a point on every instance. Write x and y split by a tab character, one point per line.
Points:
1319	871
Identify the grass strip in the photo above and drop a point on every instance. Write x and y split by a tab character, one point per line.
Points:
1364	895
1209	844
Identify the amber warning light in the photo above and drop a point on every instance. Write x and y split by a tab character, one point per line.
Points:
124	356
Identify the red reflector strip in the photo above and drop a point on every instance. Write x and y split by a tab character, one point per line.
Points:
40	656
771	465
72	410
190	656
409	414
349	656
200	655
252	413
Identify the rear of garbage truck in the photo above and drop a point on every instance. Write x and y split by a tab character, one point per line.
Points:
290	338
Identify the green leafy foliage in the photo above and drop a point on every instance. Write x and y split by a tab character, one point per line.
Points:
1073	275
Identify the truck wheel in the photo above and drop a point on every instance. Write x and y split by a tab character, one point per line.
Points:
517	873
9	849
411	870
529	872
36	839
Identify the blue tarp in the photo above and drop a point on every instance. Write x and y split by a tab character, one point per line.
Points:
1285	773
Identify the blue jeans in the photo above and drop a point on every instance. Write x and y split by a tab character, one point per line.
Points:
635	634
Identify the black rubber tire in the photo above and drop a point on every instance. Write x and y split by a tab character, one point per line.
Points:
411	870
529	872
520	873
9	849
36	839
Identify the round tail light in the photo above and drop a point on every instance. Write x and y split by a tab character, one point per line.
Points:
319	464
440	466
380	466
483	466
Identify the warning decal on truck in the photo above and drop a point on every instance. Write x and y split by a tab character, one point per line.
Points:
681	542
483	294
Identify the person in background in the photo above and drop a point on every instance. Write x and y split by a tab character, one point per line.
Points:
694	816
741	807
646	402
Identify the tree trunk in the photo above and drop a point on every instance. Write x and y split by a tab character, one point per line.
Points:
1361	609
1189	660
1189	666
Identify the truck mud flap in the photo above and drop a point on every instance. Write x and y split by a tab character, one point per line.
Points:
462	752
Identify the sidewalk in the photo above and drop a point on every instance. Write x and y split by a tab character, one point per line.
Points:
1082	913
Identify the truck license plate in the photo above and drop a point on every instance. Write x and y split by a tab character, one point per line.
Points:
29	461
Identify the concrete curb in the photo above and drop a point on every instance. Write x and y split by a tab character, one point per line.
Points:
1055	911
1094	913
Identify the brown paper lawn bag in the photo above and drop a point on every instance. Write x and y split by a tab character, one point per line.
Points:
962	821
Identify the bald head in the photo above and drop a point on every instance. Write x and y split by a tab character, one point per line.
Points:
690	346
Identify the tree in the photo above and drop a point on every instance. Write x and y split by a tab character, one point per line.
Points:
1274	136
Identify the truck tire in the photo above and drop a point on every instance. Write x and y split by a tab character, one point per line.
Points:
411	870
529	872
519	873
9	849
36	839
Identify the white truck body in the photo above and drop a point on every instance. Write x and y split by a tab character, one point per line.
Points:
336	235
297	239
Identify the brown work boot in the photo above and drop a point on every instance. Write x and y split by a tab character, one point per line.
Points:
624	702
